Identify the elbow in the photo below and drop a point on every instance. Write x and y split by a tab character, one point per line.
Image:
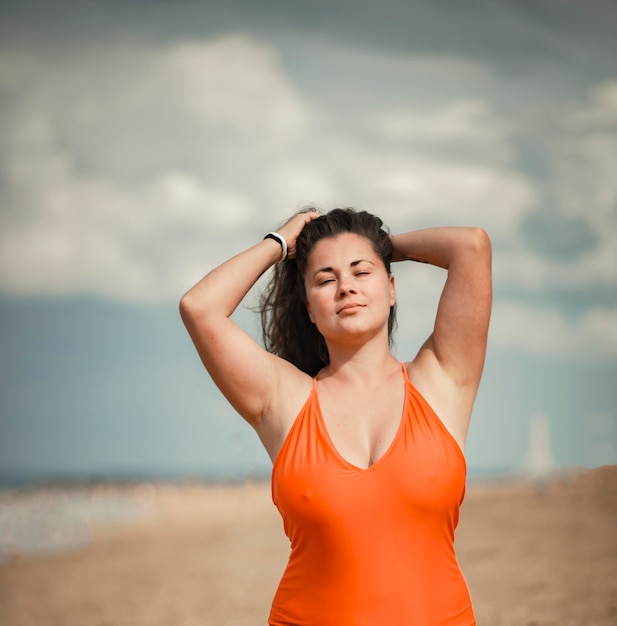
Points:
198	309
480	242
473	247
189	309
480	238
184	307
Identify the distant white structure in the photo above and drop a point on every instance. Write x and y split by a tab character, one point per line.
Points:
540	463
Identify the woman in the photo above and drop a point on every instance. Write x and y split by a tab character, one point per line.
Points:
368	470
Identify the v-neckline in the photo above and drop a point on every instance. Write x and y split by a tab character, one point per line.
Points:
335	450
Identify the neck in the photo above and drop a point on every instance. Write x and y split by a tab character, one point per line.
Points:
359	362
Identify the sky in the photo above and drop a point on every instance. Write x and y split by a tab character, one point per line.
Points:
144	142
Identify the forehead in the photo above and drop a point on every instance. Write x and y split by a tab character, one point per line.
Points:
341	250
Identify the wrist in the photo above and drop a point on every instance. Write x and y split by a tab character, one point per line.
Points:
397	253
275	236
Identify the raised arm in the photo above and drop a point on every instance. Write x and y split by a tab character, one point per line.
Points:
458	341
247	375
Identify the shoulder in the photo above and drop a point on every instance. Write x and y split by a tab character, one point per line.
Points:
450	403
292	389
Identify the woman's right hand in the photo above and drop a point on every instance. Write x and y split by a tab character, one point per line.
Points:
294	226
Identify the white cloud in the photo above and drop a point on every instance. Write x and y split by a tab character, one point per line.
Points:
447	192
599	111
584	184
63	229
597	267
411	190
178	199
469	121
585	179
546	332
235	82
78	233
518	267
295	183
441	190
132	184
134	221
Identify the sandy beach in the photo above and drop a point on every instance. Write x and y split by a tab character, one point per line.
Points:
198	554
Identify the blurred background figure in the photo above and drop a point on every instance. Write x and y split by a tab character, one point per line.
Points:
539	464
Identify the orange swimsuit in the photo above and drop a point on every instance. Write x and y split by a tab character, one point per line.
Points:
371	547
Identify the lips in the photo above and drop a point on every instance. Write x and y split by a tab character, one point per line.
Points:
350	307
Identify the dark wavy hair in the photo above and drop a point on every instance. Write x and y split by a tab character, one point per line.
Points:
287	329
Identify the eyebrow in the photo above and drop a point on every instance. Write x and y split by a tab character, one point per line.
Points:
352	264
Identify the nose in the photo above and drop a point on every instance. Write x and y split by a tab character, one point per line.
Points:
346	286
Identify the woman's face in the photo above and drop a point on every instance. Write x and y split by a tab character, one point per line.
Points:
348	290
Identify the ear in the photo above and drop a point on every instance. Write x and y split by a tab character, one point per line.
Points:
392	291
